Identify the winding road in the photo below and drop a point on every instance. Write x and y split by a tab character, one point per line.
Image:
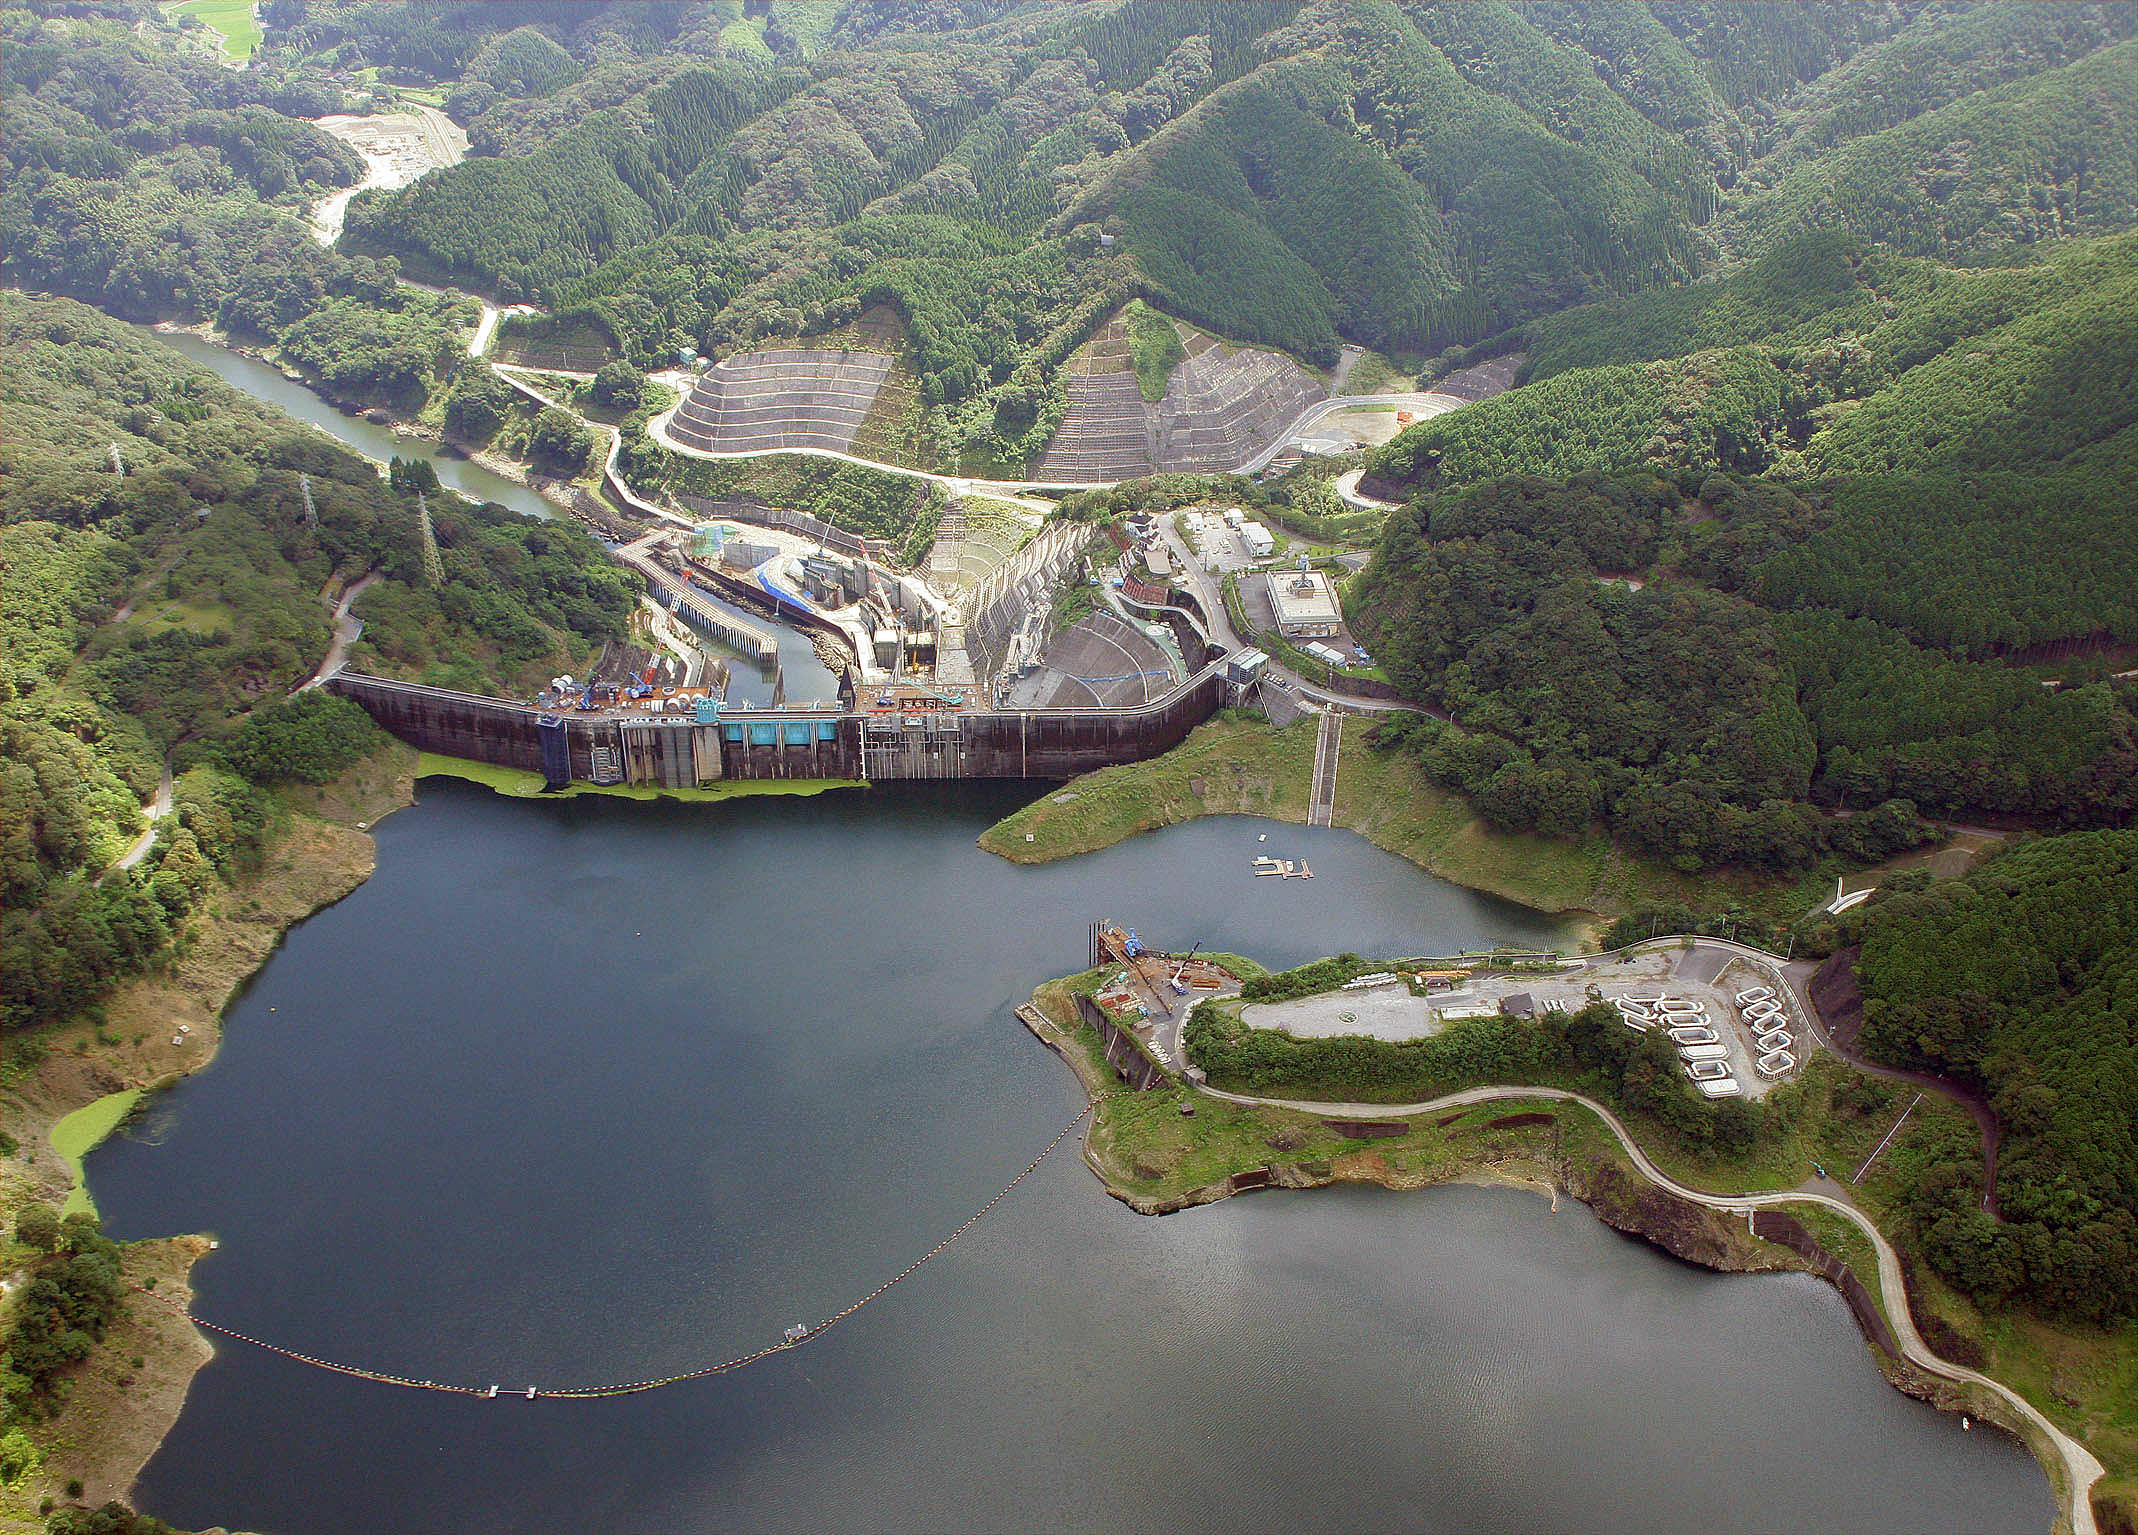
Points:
158	808
348	629
2081	1470
1424	404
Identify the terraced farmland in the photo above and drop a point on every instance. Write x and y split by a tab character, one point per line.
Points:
1222	406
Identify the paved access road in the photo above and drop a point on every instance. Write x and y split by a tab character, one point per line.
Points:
2081	1470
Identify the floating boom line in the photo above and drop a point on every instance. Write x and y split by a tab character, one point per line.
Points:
795	1339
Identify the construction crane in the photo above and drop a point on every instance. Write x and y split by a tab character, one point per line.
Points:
1181	969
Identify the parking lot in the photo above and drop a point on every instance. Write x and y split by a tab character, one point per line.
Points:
1710	977
1706	977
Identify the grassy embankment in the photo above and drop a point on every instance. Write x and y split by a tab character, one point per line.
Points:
81	1132
520	783
1236	764
1155	1158
1154	348
2083	1378
66	1086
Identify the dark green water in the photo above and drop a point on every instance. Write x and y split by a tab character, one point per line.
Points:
378	443
584	1091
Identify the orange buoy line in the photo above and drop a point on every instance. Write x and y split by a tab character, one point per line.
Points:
627	1388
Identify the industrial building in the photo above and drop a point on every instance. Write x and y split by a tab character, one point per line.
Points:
1305	604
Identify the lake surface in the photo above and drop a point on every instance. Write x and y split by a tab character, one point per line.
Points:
379	443
580	1091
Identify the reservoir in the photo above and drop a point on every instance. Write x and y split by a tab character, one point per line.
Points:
583	1091
378	443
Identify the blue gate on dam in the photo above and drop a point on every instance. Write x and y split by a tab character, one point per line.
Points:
679	751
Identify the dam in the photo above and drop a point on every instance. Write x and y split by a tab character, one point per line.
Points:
893	733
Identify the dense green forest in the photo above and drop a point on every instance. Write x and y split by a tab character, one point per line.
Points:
2022	980
1678	657
155	184
1945	471
156	608
1412	177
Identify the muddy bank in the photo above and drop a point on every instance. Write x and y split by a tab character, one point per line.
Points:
156	1029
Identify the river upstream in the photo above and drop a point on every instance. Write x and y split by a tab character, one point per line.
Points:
581	1091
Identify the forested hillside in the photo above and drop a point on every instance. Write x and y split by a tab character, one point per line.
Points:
156	184
2022	981
1411	177
150	608
1703	658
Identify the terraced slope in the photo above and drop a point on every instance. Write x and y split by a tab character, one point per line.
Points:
1099	660
1107	433
788	397
1226	404
1222	406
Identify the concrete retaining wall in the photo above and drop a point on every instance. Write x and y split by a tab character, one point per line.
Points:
678	752
1774	1226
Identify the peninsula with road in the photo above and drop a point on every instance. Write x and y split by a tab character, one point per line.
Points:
1664	467
1580	1076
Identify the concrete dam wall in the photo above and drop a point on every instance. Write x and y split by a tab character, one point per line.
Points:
680	751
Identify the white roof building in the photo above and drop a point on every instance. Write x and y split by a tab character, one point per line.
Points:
1305	604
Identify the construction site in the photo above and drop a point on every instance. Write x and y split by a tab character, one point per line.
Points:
1039	669
1223	406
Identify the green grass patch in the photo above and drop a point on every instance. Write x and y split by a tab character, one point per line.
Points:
154	617
230	19
81	1132
523	784
1375	374
1154	348
1238	764
745	38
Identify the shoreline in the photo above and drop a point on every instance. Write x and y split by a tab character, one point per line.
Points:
1620	1187
549	488
522	783
117	1416
1237	765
